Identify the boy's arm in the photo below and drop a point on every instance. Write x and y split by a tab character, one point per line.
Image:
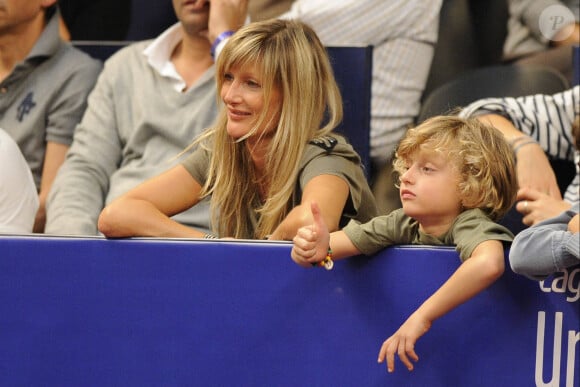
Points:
485	266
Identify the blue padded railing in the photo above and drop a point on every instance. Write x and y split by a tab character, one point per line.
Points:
151	312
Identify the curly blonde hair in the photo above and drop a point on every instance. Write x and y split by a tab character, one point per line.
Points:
478	151
290	57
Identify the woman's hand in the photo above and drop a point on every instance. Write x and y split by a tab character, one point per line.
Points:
310	244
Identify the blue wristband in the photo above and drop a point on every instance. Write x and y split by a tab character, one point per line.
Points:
221	37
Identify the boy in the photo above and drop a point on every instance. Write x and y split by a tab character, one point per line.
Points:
457	177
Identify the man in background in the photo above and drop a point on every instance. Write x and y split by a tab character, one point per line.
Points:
44	83
151	100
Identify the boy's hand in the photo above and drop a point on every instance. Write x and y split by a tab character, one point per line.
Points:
403	343
310	244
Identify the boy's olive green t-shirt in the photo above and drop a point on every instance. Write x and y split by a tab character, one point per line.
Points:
471	228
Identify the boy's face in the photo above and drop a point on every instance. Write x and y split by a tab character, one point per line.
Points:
429	189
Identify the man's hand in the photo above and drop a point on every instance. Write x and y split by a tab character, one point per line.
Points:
534	171
226	15
536	206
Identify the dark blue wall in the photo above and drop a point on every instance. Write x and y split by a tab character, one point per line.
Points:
96	312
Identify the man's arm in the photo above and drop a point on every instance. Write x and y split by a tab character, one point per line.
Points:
63	115
53	158
81	185
225	15
534	123
567	36
533	167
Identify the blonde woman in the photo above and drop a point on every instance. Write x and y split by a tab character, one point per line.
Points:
271	152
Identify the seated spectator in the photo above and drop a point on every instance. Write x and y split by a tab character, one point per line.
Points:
548	247
536	126
18	197
553	244
542	32
401	33
152	98
44	84
270	153
457	178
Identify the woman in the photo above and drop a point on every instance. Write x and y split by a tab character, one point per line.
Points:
269	155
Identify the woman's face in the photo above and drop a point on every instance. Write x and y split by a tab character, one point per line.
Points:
243	96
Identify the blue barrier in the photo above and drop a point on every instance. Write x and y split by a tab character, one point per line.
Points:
150	312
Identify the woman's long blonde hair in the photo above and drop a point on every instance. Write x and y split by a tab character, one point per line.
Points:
290	57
